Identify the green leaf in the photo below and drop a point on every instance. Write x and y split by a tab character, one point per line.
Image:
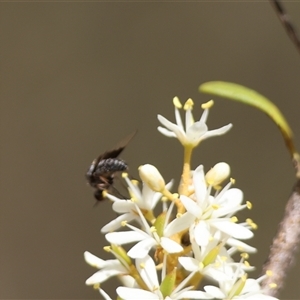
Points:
245	95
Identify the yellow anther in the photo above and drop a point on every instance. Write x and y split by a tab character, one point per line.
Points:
176	102
135	182
164	199
246	263
269	273
175	196
208	104
107	248
234	219
142	265
232	180
201	265
188	104
96	286
245	255
153	229
254	226
273	285
124	175
104	194
124	223
179	215
251	224
215	206
249	204
217	264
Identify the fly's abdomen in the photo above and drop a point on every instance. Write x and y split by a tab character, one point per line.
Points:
110	165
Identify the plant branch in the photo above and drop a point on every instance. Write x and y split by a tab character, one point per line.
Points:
285	243
286	23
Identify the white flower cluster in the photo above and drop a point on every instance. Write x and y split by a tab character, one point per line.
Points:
194	237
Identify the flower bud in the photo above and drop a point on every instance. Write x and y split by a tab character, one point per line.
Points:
151	176
217	174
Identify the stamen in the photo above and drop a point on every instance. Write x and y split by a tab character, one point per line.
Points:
269	273
245	255
208	104
153	229
107	248
249	204
251	224
188	104
176	102
246	263
234	219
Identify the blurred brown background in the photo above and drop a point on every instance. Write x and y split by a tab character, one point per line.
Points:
78	77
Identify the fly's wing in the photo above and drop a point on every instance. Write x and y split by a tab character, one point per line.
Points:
118	149
108	154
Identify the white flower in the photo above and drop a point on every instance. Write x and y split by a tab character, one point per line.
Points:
147	270
209	213
146	200
194	132
108	268
150	237
238	287
196	241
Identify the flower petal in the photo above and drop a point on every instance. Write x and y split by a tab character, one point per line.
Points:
189	263
178	224
116	223
214	291
241	245
102	276
93	260
170	246
166	132
191	206
200	184
202	233
135	294
235	230
124	237
215	132
141	249
148	272
194	295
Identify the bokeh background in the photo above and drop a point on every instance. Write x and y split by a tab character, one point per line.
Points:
78	77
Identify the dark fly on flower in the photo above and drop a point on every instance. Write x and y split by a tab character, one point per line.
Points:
100	174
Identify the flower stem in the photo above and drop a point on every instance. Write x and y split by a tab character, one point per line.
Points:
186	172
